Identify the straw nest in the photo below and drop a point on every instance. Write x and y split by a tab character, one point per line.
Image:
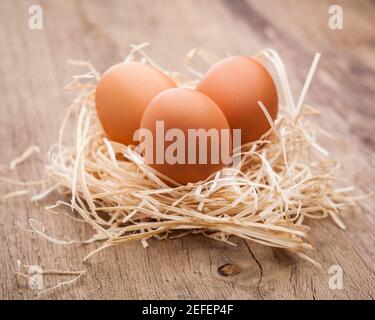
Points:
284	178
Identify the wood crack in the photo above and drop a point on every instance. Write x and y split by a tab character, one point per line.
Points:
259	267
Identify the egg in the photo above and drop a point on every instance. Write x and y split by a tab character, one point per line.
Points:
181	111
236	84
122	95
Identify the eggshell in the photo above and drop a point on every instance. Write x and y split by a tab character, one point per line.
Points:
185	109
122	95
236	84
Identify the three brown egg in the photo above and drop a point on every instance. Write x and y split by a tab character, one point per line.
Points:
133	95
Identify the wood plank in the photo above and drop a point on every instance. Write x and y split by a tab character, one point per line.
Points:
33	71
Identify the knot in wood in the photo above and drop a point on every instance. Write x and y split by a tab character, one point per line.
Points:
229	270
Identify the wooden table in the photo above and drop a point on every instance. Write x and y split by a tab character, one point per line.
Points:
33	71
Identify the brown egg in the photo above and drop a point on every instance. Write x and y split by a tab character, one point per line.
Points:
236	84
122	95
186	110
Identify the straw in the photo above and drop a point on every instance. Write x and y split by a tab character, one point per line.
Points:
285	177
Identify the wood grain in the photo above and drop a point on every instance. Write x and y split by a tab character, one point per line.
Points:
33	71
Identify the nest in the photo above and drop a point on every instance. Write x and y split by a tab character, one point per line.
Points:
284	178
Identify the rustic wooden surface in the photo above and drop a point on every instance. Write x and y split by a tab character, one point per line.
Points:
33	71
